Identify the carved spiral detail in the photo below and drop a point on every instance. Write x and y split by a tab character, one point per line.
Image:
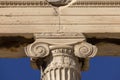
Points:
85	50
37	50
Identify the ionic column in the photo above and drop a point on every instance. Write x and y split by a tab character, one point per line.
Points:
60	56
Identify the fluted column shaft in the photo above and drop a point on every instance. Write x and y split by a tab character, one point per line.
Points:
62	65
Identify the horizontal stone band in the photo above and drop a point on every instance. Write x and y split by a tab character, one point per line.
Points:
89	3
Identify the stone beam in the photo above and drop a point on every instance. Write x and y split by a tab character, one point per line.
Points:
89	16
55	28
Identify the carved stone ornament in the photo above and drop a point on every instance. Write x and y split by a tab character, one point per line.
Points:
37	49
85	49
44	3
58	3
60	56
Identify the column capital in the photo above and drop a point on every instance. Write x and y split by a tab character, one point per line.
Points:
45	42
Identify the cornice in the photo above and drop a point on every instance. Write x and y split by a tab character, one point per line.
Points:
79	3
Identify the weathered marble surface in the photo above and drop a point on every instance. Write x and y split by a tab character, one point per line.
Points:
85	16
58	48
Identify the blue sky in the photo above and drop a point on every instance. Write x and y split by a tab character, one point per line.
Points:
101	68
